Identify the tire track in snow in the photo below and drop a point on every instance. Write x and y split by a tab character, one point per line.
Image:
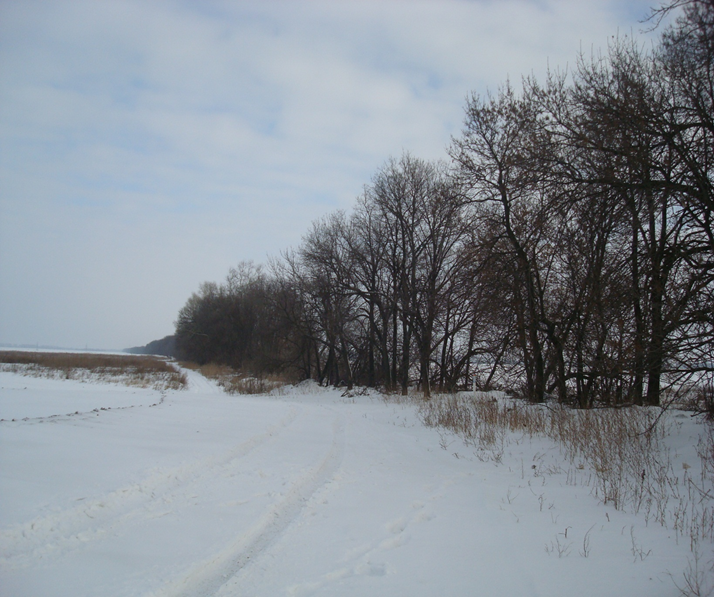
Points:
199	383
220	574
370	559
58	533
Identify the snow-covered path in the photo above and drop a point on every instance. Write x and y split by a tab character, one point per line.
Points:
304	494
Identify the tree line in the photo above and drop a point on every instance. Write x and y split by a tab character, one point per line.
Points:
564	249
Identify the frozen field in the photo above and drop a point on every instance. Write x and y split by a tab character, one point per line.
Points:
106	490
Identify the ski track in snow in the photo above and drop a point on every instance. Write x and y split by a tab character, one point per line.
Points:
223	569
59	533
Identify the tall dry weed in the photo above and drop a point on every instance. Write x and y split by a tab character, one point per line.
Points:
236	382
132	370
624	449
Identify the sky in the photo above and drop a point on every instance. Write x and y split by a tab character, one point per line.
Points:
149	146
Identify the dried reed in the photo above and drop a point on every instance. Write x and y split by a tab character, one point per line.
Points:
131	370
632	467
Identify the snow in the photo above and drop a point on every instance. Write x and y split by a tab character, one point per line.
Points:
106	490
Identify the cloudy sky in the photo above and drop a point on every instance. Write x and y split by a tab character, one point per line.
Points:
147	146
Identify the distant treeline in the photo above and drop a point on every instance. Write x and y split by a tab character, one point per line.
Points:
565	249
164	347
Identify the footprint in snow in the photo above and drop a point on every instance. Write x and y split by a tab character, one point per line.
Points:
370	569
397	526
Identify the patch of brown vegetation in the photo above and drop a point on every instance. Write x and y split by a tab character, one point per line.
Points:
237	382
620	453
132	370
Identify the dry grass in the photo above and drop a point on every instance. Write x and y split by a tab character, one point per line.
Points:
620	453
236	382
131	370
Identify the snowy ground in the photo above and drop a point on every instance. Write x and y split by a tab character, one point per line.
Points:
106	490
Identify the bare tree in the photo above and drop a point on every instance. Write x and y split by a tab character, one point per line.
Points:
492	155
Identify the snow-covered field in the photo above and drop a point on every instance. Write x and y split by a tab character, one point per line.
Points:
107	490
